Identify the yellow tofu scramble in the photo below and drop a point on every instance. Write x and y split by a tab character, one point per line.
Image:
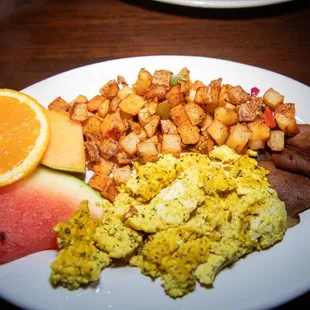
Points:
182	220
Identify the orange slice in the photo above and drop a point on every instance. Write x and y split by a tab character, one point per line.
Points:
24	135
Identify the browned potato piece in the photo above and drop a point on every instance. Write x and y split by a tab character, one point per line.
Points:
123	158
238	95
226	116
79	98
103	166
110	89
104	108
285	118
91	149
108	148
147	151
121	80
156	92
92	125
59	105
113	126
195	113
143	82
247	112
129	143
138	130
174	96
124	92
152	107
206	122
168	127
94	103
260	134
78	111
132	104
144	116
162	77
231	106
171	144
218	132
272	98
239	137
209	95
179	115
276	141
224	96
205	144
105	185
152	125
189	134
114	104
122	175
192	90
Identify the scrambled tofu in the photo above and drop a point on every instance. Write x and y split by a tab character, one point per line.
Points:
208	212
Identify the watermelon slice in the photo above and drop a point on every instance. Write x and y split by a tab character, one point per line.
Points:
30	208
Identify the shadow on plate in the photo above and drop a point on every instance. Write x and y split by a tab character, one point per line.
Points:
229	14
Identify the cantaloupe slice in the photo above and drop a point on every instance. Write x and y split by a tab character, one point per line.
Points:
65	150
31	207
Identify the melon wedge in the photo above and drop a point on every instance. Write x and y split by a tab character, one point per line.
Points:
65	150
30	208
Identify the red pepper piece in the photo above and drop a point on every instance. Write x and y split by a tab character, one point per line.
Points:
269	118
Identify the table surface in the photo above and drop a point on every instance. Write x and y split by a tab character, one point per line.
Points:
41	38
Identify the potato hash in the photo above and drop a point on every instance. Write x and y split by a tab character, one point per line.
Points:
165	113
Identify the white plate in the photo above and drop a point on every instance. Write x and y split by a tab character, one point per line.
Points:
262	280
223	4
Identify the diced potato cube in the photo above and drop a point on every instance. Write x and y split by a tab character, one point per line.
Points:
162	77
92	125
206	122
112	126
108	148
174	96
132	104
191	94
103	166
124	92
205	144
104	108
260	134
59	105
122	174
129	143
231	106
226	116
123	158
276	141
79	98
152	125
147	151
285	118
144	116
189	134
91	149
121	80
94	103
106	125
224	96
152	107
218	132
247	112
156	92
110	89
105	185
78	111
114	104
272	98
168	127
179	115
195	113
143	82
138	130
238	95
171	144
239	137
